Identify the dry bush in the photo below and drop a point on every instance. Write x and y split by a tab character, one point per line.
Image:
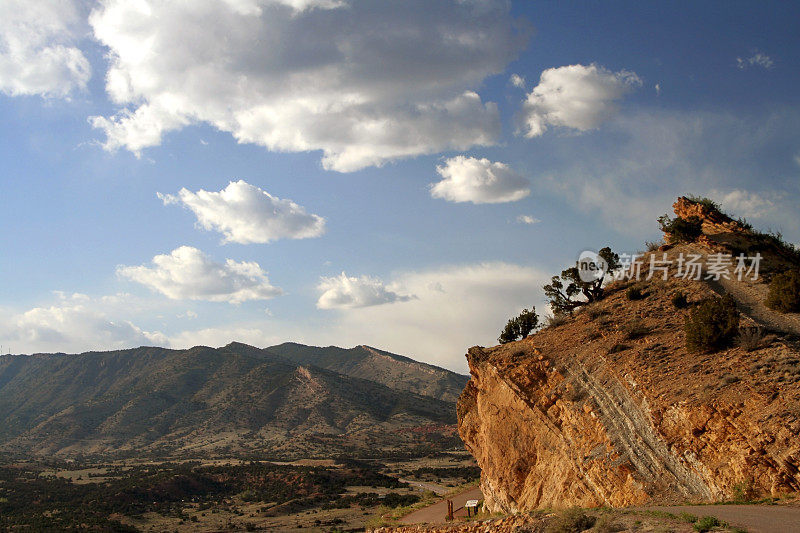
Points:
594	311
606	524
558	319
634	293
653	246
679	300
751	339
711	325
572	520
635	329
784	292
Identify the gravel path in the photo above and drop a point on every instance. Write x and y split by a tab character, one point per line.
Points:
754	518
750	297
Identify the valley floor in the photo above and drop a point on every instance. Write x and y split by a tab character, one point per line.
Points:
224	494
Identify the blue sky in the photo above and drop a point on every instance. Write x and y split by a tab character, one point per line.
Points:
405	175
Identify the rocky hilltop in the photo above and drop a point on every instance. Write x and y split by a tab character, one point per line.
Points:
607	406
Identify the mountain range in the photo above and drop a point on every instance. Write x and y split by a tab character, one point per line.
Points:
286	401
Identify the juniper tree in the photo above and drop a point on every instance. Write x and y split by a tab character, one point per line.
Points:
562	290
520	326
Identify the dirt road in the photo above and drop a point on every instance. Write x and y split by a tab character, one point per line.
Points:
754	518
436	513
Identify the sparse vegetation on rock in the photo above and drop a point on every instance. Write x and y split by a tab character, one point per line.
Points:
652	246
573	520
635	329
712	325
784	292
595	311
750	339
634	293
678	230
745	491
679	300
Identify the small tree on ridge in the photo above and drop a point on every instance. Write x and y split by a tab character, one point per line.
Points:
520	326
562	290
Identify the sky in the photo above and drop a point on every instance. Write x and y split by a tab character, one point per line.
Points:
405	175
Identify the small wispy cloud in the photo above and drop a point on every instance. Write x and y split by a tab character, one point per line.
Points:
517	81
527	219
756	59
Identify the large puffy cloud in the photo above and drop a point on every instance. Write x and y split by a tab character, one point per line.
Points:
37	52
480	181
363	81
74	323
247	214
188	274
346	292
575	96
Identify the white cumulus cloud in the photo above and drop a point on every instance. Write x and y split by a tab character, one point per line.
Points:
744	203
347	292
365	82
576	96
480	181
37	48
73	323
188	274
247	214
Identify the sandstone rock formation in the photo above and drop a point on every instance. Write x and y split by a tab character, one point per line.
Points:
610	409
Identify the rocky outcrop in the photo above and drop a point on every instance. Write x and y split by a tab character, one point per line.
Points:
717	227
713	220
610	409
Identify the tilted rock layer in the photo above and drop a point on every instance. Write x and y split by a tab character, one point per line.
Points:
610	409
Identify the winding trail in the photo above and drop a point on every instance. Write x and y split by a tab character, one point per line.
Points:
437	513
750	297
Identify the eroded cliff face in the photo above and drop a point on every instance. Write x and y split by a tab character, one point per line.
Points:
610	409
